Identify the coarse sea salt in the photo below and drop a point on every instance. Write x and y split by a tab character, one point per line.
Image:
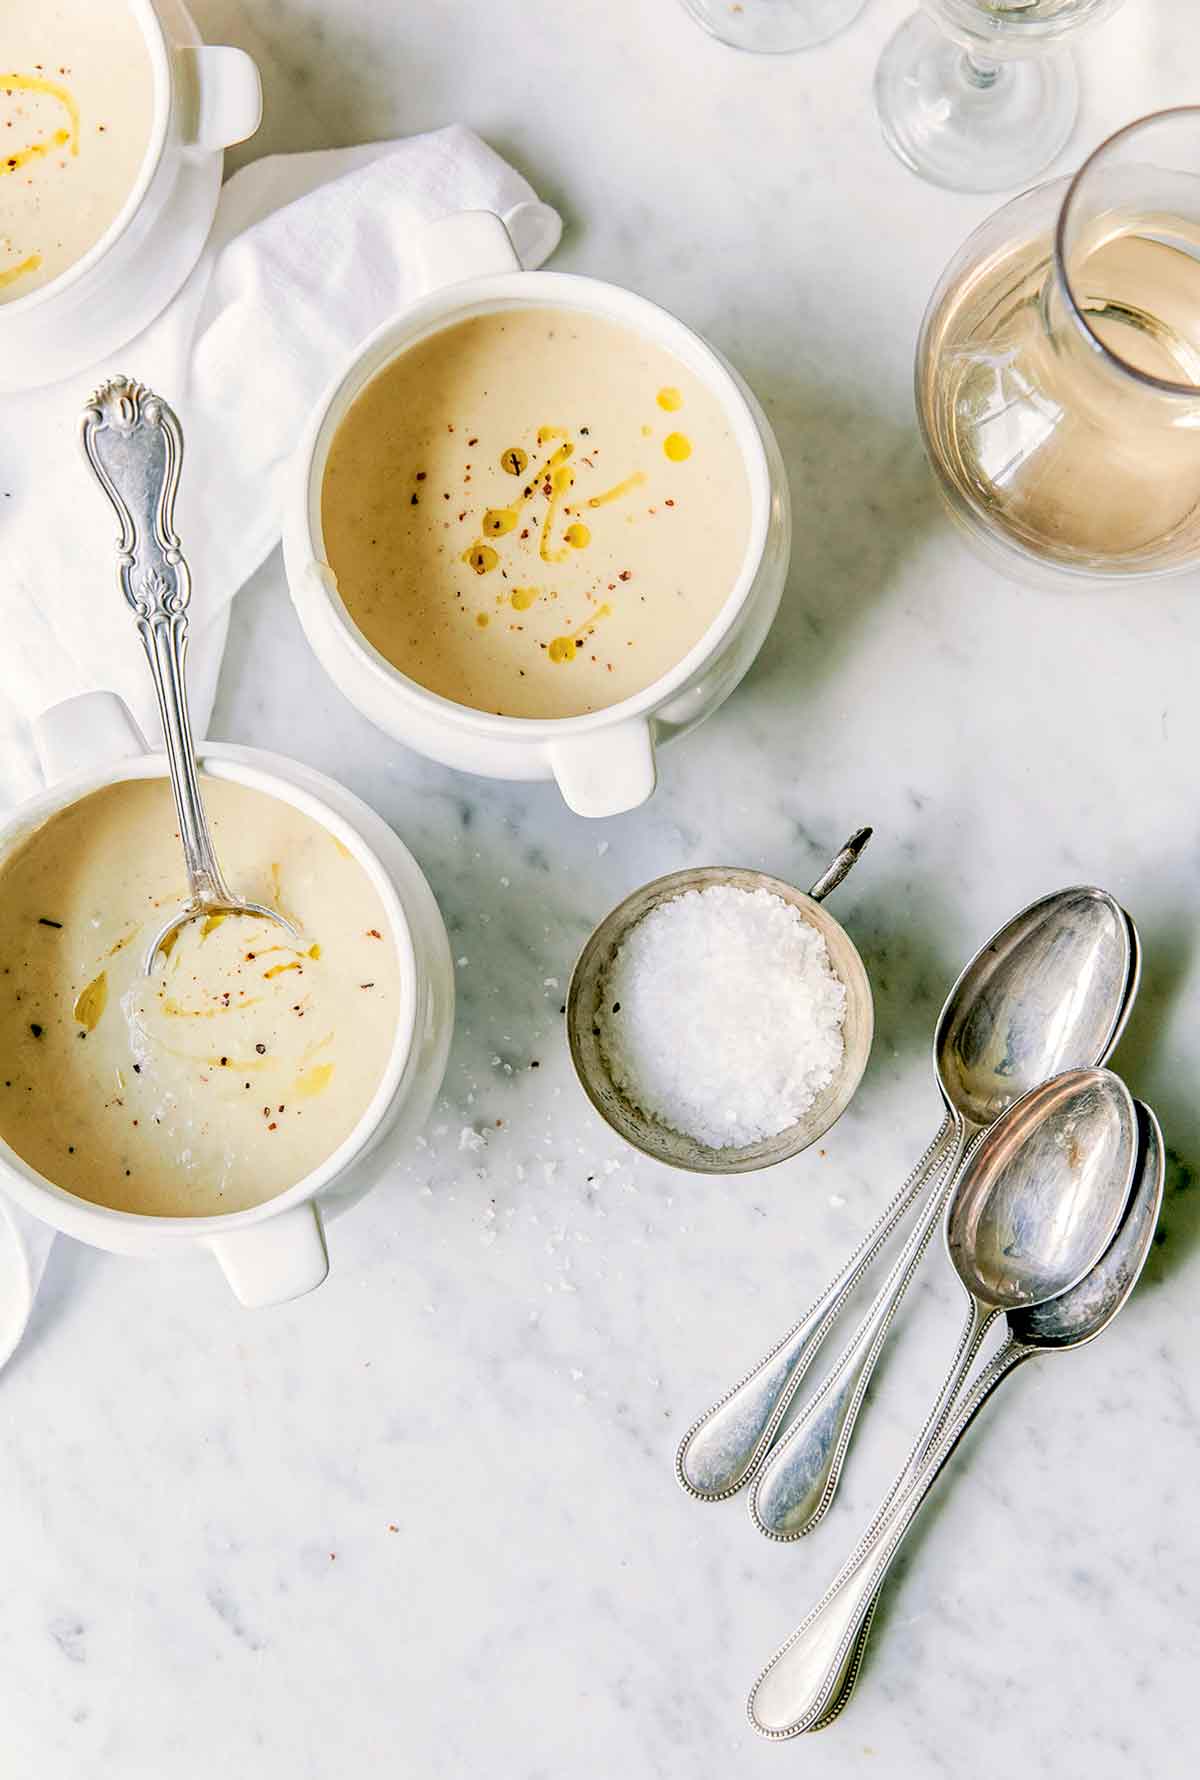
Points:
722	1015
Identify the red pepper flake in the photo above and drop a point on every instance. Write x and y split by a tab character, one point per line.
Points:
670	503
272	1126
374	933
625	575
366	985
266	1112
392	1527
420	475
472	442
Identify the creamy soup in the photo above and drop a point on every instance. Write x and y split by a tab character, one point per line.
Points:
244	1061
76	109
535	512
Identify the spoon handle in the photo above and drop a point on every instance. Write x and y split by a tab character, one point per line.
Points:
134	445
810	1677
970	1341
724	1448
799	1480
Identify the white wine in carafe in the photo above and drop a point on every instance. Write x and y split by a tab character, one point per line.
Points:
1083	449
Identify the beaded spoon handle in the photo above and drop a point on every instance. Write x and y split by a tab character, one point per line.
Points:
725	1448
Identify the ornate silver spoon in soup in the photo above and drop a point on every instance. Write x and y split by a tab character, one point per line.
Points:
134	444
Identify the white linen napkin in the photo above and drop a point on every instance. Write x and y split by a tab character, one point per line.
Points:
307	255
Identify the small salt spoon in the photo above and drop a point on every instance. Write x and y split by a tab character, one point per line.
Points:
134	445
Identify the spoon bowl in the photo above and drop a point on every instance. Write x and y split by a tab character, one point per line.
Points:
1053	988
1042	1196
164	939
1077	1316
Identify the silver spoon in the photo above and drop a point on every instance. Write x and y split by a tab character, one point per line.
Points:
134	444
810	1679
798	1481
978	1323
1052	988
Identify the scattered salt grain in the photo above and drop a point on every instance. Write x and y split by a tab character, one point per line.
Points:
469	1139
722	1015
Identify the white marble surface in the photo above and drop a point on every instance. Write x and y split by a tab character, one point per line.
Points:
424	1523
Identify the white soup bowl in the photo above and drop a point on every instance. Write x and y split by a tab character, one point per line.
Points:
274	1251
603	761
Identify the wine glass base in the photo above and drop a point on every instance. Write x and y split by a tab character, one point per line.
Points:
773	27
967	124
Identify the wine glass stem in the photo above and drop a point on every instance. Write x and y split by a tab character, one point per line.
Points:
979	73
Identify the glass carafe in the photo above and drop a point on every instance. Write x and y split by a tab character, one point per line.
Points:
1058	368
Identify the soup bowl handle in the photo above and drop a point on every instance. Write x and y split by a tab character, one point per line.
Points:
280	1258
608	772
228	96
466	244
84	732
